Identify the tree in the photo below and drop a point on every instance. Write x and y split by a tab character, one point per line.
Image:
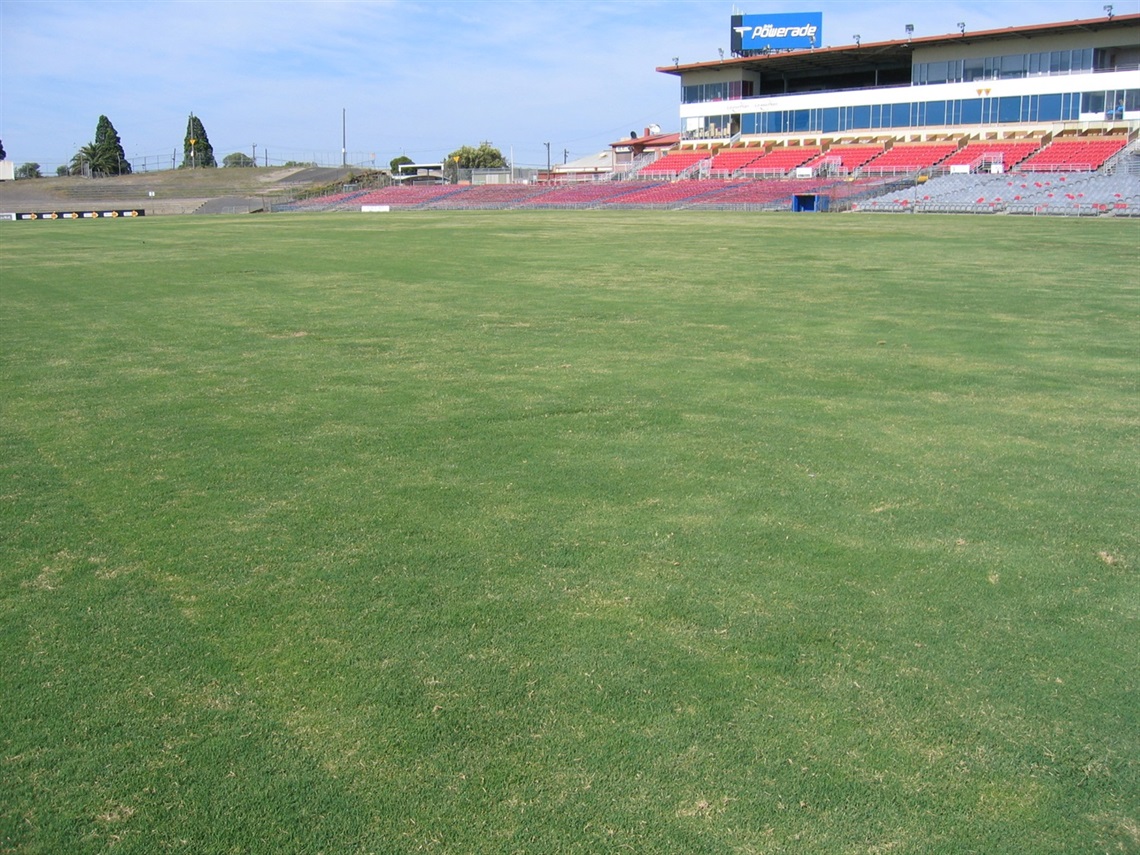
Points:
486	156
84	161
397	162
28	170
110	159
3	156
62	170
238	159
196	148
103	156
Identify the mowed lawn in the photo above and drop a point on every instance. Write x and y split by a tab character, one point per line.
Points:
570	532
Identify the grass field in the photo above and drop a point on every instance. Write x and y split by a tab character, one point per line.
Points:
548	533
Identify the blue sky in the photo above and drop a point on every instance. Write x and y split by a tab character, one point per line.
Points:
412	78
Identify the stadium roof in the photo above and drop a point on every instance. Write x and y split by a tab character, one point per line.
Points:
850	58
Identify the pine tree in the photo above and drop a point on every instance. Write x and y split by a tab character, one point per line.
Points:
196	148
3	156
104	156
110	159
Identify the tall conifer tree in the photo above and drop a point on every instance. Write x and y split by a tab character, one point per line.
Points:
110	157
196	148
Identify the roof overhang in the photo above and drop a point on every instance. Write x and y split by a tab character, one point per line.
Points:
849	58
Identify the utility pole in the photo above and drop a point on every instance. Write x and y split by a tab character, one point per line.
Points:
547	156
343	139
565	156
255	154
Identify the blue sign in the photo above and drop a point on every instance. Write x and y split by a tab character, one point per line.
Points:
793	31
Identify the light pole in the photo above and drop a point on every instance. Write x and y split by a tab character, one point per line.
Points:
547	156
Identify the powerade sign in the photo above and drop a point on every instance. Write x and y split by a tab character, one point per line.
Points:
777	32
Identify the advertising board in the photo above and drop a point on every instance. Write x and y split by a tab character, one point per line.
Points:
789	31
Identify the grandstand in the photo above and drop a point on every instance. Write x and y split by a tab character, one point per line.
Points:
862	126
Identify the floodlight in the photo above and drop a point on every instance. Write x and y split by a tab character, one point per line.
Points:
1108	11
909	30
857	38
962	27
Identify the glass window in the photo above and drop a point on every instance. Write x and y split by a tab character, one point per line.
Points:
935	113
971	111
860	117
1013	65
830	120
1092	102
1009	109
1132	100
899	116
1083	59
936	72
972	69
1048	109
748	123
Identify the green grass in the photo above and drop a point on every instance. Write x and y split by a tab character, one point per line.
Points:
569	533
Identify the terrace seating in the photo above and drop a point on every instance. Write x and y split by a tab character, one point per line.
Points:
673	164
408	196
909	157
332	202
491	196
586	195
669	195
979	154
770	194
1083	155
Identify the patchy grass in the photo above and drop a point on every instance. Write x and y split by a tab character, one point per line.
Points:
565	532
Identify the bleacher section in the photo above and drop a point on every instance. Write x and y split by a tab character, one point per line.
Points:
408	196
844	158
488	196
980	155
1074	193
673	164
1068	155
908	157
781	160
667	195
728	161
586	195
857	177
